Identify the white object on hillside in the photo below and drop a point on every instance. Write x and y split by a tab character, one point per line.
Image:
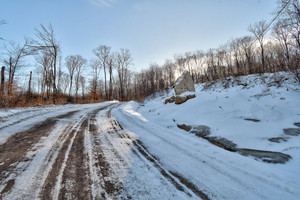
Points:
184	83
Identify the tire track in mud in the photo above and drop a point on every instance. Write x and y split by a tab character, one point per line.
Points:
14	151
84	161
70	176
21	120
105	185
176	179
29	117
50	183
218	169
75	179
181	183
5	118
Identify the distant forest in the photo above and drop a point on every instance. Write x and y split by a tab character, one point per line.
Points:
61	81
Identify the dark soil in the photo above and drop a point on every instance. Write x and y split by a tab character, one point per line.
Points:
15	148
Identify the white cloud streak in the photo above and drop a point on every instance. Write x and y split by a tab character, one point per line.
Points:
103	3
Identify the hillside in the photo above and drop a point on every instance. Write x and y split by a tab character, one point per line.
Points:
225	106
242	142
257	114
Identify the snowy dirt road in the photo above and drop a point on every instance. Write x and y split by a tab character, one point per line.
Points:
109	151
85	154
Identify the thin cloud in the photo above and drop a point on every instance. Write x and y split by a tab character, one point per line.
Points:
103	3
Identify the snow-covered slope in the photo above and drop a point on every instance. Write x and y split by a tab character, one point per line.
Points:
248	111
224	110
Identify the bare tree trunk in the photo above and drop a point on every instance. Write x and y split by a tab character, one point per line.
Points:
105	87
2	86
110	80
82	82
29	84
29	87
70	89
2	80
54	77
263	58
9	77
59	76
47	43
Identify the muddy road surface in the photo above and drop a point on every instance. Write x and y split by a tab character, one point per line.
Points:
85	154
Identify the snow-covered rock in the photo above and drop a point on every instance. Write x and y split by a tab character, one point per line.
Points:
184	89
184	83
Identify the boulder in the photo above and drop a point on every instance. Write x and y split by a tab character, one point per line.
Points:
184	83
201	130
297	124
292	131
170	100
180	99
190	96
184	127
184	89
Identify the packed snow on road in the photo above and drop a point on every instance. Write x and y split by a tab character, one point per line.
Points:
132	150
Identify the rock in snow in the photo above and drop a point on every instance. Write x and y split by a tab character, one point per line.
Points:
184	83
180	99
184	89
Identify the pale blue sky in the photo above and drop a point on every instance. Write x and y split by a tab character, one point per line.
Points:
153	30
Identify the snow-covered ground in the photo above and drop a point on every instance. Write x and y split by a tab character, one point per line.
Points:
20	119
136	151
225	111
224	106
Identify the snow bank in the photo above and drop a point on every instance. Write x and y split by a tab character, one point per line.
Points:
246	110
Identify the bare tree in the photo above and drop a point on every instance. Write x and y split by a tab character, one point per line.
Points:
291	16
180	62
82	82
59	80
235	48
2	85
74	65
282	34
169	69
65	82
43	63
71	64
188	59
102	53
228	59
96	68
46	42
247	49
220	62
259	29
211	64
80	64
123	61
110	65
14	57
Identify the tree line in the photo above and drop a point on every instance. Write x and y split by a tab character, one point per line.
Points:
111	76
255	53
61	81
